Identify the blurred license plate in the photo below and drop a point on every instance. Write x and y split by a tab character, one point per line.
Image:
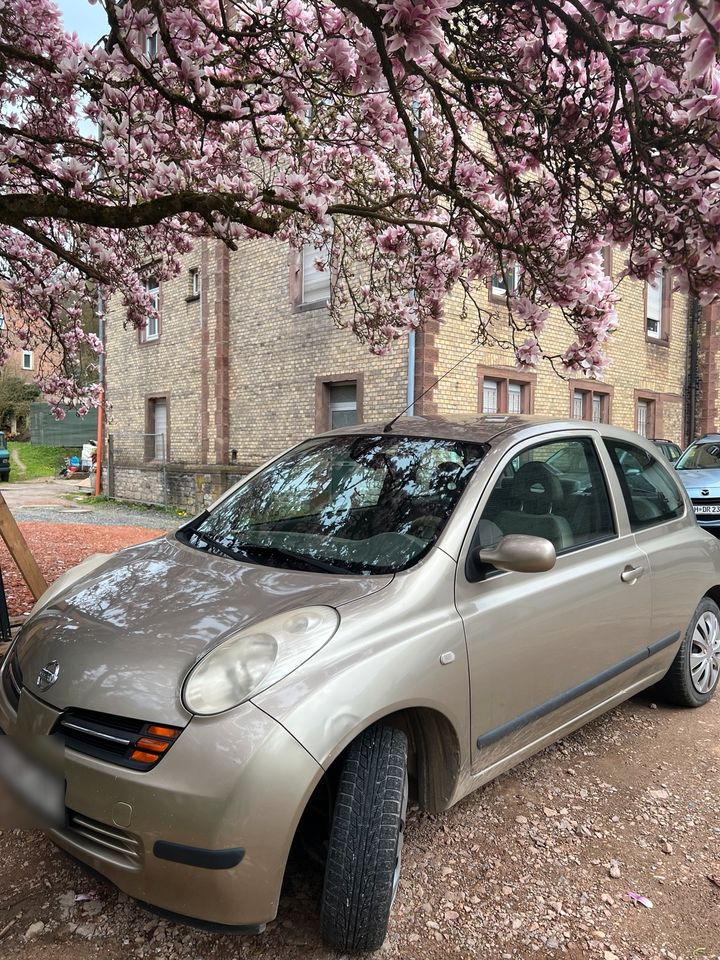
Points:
707	507
40	791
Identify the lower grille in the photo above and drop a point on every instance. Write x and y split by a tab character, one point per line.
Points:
99	838
12	679
130	743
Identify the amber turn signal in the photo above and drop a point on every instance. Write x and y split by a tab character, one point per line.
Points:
169	732
143	757
150	743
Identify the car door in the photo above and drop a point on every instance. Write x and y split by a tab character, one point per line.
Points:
544	648
656	507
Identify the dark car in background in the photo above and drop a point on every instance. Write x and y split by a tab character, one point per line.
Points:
699	470
671	451
4	459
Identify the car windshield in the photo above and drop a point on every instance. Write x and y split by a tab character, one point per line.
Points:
344	504
700	456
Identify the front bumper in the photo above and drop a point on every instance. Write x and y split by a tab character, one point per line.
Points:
234	783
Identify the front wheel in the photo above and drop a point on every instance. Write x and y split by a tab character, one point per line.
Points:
366	839
693	676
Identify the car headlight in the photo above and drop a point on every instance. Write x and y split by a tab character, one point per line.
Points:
250	661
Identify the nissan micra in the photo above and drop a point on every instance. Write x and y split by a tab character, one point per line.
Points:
381	612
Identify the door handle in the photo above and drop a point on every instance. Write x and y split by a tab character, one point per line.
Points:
631	574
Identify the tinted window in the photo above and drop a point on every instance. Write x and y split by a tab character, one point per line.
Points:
651	496
554	490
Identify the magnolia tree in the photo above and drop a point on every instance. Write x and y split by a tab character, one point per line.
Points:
429	143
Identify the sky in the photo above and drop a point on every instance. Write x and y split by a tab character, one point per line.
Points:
81	17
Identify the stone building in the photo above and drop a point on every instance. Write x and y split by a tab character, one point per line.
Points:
245	361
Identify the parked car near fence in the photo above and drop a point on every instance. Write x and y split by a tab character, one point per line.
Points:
382	612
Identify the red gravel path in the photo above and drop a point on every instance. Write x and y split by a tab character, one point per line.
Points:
59	546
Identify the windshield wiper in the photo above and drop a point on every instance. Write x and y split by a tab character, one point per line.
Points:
210	541
266	550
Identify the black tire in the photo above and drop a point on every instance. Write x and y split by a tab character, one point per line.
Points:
678	686
366	837
5	476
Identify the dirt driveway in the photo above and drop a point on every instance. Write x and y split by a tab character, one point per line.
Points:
536	865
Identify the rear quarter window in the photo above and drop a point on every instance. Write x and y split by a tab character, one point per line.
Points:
651	495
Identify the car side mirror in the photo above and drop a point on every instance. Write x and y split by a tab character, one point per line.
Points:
520	553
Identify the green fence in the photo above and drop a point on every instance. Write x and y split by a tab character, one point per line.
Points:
73	431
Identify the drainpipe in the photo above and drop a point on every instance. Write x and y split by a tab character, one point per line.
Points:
694	313
101	408
411	375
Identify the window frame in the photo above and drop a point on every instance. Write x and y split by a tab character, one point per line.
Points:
143	337
499	294
590	389
321	301
504	377
30	355
149	457
323	384
195	284
662	337
151	46
609	485
638	526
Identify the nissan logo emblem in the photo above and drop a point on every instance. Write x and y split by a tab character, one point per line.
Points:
48	675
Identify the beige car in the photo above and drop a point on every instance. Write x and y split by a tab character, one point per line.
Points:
379	613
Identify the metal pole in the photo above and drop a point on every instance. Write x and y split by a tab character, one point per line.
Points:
101	409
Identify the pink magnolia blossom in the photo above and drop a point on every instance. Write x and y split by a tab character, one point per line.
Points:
424	142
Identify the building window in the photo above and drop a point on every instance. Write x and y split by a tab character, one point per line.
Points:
504	282
645	418
490	396
2	321
338	401
194	275
590	404
607	256
151	45
342	405
315	283
27	360
151	330
156	440
501	391
658	306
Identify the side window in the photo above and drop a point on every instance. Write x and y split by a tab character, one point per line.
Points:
557	491
650	494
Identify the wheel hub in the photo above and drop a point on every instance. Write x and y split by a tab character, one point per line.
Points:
705	653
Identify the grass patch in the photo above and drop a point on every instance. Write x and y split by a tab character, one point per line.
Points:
39	461
131	505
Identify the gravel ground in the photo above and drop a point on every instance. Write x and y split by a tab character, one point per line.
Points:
103	515
538	864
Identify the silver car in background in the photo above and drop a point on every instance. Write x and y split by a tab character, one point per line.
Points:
699	470
383	612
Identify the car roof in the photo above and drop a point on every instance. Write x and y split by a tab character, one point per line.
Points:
479	428
709	438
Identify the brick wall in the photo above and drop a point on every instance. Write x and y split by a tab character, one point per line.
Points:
246	372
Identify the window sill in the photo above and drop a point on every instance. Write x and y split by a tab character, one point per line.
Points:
149	343
658	341
307	307
193	298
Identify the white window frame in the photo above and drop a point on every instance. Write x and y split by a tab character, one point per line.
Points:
28	355
578	398
643	416
338	406
159	439
317	290
491	395
2	321
654	295
596	408
504	282
514	390
194	282
151	330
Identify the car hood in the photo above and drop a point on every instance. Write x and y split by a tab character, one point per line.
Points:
695	481
125	635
